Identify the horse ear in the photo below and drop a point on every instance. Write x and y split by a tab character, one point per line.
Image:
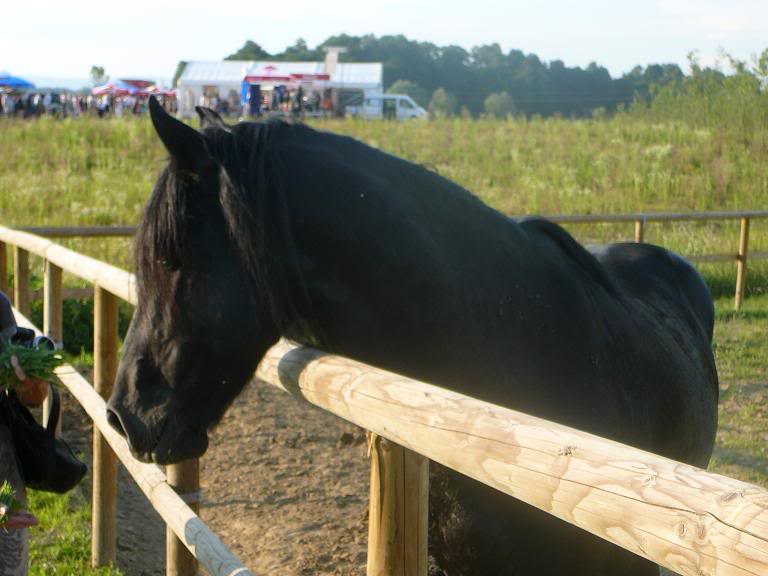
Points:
211	119
185	144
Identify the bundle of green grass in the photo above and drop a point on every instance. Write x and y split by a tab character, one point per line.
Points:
8	502
37	364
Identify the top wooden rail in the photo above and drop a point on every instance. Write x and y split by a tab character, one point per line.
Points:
79	231
118	231
112	279
679	516
656	216
640	219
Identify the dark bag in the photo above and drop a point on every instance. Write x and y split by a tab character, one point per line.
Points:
47	463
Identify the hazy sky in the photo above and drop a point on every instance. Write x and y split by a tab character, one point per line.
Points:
139	38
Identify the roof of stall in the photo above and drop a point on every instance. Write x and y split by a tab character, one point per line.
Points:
8	81
231	72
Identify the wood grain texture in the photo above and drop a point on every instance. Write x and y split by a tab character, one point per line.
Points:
4	268
113	279
184	478
398	510
79	231
21	293
639	231
71	293
53	325
741	263
681	517
104	520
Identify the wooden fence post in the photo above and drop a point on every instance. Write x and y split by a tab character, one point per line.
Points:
639	230
398	512
184	478
52	318
3	268
104	543
741	263
21	295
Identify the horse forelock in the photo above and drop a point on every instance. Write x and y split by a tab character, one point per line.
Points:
247	196
160	237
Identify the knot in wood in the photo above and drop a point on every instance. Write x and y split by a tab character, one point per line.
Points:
731	496
649	480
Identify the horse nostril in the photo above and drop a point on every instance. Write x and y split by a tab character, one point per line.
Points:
114	421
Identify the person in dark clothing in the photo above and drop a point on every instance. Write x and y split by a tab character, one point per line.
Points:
14	537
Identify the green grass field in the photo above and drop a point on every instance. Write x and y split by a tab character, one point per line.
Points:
91	172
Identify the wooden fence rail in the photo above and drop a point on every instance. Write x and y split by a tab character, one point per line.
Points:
639	220
684	518
681	517
110	283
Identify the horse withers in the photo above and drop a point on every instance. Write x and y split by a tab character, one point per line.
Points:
270	229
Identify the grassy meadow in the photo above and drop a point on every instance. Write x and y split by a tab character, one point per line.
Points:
101	172
91	172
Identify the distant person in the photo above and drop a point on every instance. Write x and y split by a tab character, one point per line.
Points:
9	105
76	109
103	107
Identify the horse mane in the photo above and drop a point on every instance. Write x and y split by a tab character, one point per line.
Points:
252	206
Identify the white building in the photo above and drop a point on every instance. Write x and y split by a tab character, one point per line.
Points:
342	83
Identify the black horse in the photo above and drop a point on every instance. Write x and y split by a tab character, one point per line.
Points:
269	229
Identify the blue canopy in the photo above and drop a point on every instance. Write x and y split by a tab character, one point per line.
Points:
8	81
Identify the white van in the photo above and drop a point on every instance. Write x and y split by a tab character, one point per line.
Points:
387	106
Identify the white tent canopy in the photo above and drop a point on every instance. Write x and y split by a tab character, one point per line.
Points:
227	76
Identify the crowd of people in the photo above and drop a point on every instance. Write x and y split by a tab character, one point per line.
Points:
283	100
274	100
64	105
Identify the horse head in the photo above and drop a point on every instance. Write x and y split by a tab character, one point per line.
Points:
201	325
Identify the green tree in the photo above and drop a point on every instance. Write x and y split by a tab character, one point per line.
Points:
442	104
537	87
250	51
98	75
301	52
500	105
412	89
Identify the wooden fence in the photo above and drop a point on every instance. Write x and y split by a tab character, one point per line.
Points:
638	220
174	493
681	517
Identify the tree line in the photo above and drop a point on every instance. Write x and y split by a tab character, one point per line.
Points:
483	80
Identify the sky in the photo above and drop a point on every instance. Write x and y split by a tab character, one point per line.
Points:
146	39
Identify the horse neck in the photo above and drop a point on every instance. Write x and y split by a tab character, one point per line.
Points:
386	262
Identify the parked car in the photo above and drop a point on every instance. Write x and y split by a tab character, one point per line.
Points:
388	107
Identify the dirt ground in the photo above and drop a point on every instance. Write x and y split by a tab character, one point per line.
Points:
285	486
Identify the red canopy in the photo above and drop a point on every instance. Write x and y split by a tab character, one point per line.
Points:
267	78
154	90
268	73
116	88
310	77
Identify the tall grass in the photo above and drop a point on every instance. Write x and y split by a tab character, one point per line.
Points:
99	172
